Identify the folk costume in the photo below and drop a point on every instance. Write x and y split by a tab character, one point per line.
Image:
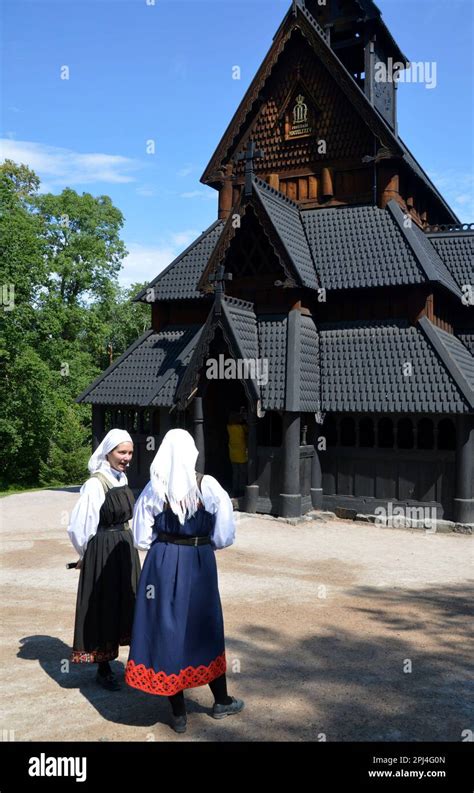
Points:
110	567
178	630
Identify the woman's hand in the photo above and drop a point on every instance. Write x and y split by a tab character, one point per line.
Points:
79	564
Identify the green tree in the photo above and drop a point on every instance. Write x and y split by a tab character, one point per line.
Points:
23	270
60	256
124	322
83	247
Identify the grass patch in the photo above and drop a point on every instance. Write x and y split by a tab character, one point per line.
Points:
16	489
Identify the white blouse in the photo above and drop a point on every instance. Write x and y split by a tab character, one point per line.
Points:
85	515
215	500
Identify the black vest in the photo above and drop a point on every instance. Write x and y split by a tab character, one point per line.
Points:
117	508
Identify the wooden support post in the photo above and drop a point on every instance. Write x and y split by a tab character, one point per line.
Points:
389	185
98	425
252	489
316	476
327	186
226	193
464	486
274	181
167	421
198	421
290	495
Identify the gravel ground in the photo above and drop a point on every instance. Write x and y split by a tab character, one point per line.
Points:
335	631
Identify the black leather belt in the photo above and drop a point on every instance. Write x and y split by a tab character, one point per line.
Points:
114	527
180	539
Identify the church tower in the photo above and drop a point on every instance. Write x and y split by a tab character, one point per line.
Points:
333	296
323	109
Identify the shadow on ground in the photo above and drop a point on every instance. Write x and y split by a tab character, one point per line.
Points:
336	684
64	489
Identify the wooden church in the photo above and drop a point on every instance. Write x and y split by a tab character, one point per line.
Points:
338	281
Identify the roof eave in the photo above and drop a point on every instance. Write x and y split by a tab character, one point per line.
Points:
140	296
453	369
106	372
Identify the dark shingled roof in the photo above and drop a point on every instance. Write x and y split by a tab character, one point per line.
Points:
272	330
456	357
179	280
165	389
457	252
238	323
310	399
244	323
363	365
357	366
286	219
427	257
148	372
337	248
356	247
467	338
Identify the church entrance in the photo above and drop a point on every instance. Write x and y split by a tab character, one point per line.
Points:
221	399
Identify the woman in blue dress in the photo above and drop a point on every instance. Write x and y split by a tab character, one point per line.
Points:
181	518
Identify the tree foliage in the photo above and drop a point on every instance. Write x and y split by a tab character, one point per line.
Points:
62	310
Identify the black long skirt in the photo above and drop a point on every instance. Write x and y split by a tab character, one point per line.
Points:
106	596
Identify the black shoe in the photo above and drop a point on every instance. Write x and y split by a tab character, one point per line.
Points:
108	681
221	711
178	723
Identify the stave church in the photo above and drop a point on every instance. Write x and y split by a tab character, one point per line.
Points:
335	277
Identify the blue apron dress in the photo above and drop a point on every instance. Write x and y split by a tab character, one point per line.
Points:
178	629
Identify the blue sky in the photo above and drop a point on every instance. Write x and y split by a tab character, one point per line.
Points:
163	72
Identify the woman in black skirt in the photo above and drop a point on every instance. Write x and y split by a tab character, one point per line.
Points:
109	563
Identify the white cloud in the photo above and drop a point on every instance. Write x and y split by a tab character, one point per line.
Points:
63	167
145	262
46	187
186	170
457	187
463	199
145	191
184	238
204	194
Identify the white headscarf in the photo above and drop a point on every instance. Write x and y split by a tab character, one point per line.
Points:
173	474
111	440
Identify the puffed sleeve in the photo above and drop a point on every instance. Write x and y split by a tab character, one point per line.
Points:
217	501
85	515
143	518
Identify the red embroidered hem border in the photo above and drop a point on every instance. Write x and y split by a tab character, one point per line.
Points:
138	676
96	656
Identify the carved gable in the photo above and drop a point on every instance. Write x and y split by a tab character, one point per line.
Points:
306	122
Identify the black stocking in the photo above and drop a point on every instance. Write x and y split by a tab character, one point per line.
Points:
178	705
104	668
219	689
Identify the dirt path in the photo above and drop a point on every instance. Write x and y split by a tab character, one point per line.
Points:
324	622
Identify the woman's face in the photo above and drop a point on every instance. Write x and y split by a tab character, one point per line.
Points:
121	456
